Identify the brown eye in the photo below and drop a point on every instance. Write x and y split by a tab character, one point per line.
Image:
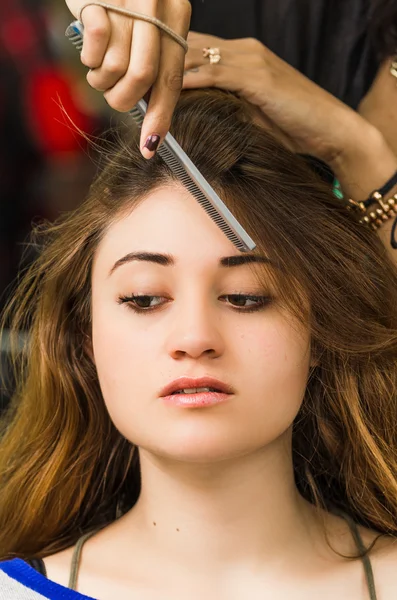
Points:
239	300
247	302
141	302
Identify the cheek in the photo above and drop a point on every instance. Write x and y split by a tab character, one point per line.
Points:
276	367
121	355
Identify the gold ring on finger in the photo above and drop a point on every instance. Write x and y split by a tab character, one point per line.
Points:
213	54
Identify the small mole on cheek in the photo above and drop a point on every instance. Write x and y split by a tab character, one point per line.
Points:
177	529
154	523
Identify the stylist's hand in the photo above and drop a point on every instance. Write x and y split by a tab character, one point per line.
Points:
127	58
307	118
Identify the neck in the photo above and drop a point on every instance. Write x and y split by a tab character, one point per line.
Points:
241	509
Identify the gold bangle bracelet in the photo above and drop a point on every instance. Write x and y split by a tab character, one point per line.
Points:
378	212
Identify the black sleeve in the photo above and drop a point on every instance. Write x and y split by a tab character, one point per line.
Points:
327	40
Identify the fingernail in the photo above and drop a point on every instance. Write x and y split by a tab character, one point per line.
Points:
195	70
152	142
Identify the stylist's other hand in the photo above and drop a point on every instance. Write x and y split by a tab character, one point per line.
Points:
128	58
306	117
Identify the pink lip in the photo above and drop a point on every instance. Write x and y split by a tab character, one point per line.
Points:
189	382
200	399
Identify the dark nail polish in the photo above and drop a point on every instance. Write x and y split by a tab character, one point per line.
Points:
152	142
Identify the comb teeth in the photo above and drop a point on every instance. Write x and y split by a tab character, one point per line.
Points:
75	35
137	115
191	186
208	201
175	163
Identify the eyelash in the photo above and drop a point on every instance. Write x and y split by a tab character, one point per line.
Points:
263	302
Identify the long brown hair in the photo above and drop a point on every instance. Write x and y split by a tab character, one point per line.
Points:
64	468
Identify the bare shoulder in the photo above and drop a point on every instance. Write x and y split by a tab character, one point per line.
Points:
58	566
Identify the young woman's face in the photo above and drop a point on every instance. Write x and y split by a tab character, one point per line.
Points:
192	313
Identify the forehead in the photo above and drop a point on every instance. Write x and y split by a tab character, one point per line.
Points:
169	221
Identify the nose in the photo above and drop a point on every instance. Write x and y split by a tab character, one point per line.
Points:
195	332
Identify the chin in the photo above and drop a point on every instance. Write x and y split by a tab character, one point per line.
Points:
203	448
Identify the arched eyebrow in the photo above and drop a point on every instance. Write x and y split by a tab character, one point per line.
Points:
243	259
166	260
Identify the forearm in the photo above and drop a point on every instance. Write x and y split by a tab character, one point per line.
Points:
378	106
364	165
365	162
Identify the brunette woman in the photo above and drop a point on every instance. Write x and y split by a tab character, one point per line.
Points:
195	422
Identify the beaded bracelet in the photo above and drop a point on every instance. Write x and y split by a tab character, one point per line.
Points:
381	192
375	215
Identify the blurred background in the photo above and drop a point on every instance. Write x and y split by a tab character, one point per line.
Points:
45	166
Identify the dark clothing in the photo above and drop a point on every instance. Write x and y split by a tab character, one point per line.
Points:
327	40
